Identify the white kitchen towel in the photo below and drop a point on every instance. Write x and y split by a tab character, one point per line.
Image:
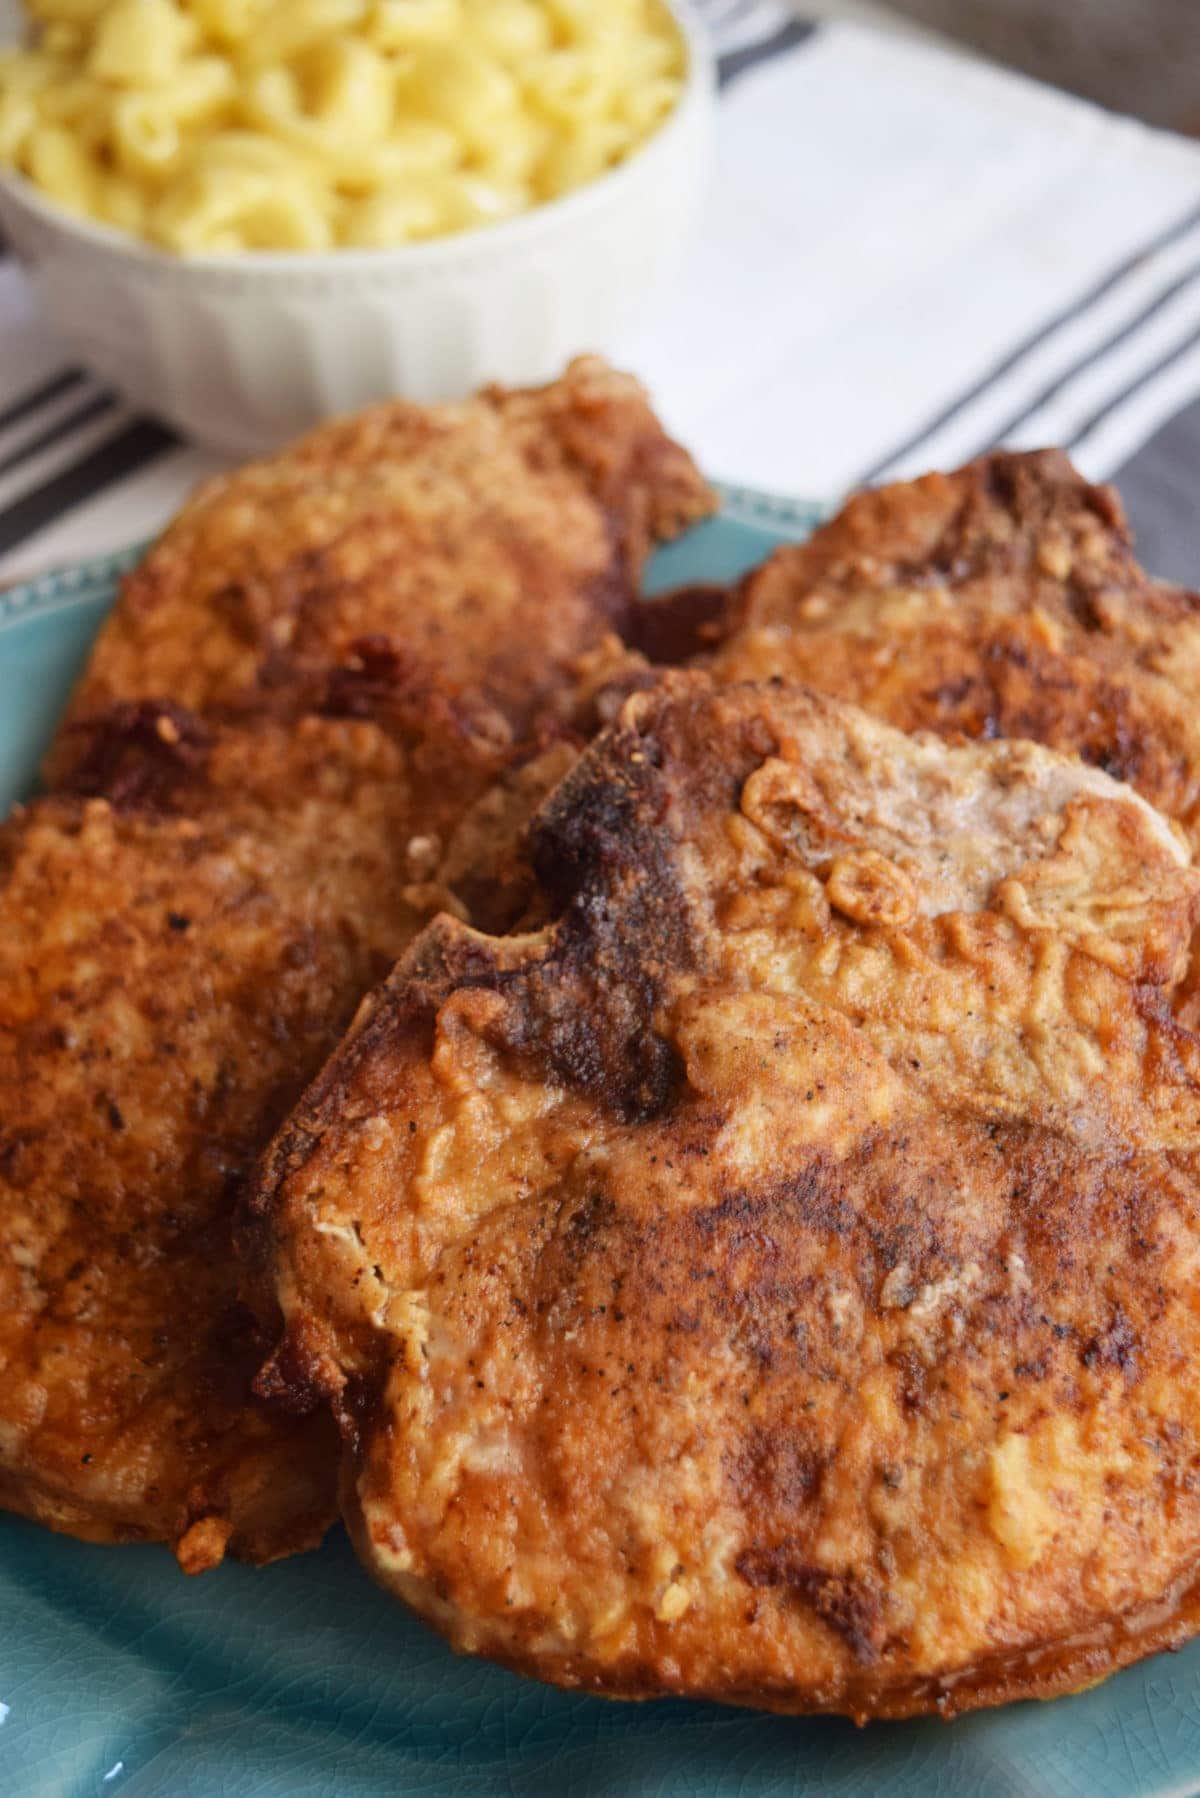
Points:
907	256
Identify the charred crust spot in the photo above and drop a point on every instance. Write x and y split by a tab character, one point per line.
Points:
382	682
1116	1346
602	823
774	1467
376	671
1018	689
586	1225
599	1044
605	859
847	1604
137	755
1032	493
812	1196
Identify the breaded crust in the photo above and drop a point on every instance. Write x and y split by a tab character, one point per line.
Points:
1002	600
773	1279
294	715
485	544
167	984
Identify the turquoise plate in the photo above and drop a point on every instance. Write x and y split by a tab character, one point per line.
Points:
303	1681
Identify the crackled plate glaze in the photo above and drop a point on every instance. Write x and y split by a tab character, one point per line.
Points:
117	1675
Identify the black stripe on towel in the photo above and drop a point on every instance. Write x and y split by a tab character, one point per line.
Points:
737	62
74	421
37	397
1103	413
123	454
1097	354
1067	315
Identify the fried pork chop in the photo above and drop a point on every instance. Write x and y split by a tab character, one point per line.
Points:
1003	600
485	545
171	973
774	1278
299	708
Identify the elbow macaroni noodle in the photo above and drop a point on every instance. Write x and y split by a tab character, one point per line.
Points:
221	125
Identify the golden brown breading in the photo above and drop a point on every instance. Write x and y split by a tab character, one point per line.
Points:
485	544
303	696
773	1280
167	985
1000	601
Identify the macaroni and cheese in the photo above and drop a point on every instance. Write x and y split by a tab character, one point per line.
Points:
220	125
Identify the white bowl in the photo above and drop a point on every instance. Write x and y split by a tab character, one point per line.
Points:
243	351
